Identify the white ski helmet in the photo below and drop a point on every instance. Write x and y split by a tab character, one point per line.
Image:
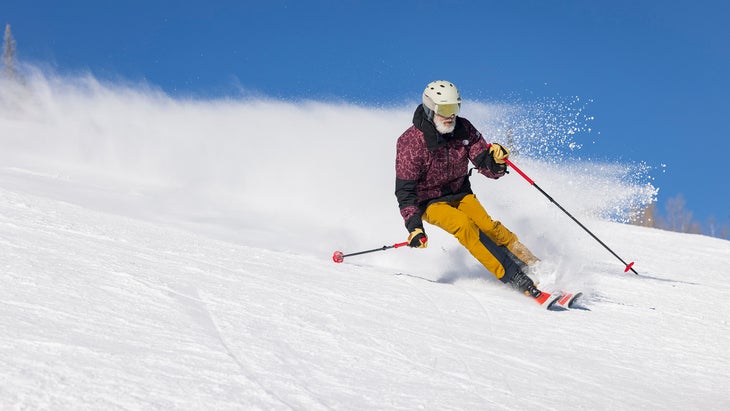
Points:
441	97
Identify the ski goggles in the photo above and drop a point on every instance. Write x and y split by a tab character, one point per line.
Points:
447	110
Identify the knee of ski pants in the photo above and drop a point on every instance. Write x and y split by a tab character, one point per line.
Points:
494	229
448	218
457	223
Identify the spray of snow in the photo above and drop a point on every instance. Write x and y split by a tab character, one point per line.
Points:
302	176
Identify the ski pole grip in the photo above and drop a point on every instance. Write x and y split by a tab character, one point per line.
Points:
512	165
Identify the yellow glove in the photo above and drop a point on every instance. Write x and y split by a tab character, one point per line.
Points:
498	152
417	239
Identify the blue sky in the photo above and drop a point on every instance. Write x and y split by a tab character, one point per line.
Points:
654	74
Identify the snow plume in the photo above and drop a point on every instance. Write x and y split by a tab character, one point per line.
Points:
543	128
302	176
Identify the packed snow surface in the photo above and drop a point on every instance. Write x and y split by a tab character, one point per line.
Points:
174	254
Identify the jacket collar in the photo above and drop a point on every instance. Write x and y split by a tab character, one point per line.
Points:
433	138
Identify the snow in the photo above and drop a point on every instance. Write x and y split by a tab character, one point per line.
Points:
174	254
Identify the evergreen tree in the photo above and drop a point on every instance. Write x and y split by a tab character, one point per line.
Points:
8	59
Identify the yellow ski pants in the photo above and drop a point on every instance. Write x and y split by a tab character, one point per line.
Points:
487	240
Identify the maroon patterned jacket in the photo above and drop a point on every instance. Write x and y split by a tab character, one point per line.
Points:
431	167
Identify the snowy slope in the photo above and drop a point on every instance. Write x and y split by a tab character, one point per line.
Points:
188	267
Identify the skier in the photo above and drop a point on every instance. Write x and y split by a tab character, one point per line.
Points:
432	185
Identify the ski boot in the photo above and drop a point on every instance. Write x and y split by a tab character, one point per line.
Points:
521	282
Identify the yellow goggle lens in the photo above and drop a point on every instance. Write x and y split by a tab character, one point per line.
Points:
447	110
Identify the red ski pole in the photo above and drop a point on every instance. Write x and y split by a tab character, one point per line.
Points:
338	257
629	266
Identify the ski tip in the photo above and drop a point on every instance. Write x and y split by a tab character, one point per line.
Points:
564	298
572	303
559	301
554	304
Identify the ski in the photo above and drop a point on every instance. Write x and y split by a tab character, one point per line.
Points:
547	300
558	301
569	300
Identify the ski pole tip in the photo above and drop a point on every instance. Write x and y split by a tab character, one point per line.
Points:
628	267
338	257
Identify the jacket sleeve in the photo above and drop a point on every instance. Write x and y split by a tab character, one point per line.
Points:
409	210
479	154
409	167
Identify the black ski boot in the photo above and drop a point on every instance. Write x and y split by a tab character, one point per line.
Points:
522	282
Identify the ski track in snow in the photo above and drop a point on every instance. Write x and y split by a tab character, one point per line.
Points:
107	312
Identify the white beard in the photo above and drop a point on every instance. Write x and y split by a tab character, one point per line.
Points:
442	127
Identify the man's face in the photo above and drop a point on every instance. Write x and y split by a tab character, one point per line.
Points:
444	125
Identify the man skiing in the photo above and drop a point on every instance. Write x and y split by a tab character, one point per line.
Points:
432	185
